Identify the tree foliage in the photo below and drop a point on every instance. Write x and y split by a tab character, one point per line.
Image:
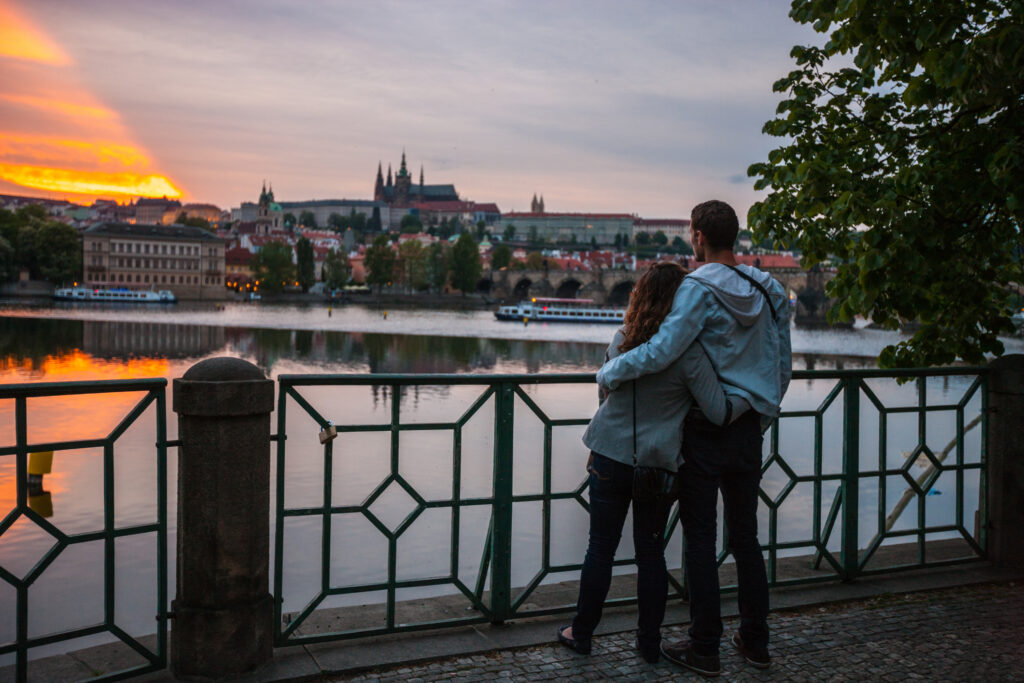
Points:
437	265
905	167
305	263
413	258
307	219
337	270
465	264
501	257
192	221
273	267
411	223
32	241
380	262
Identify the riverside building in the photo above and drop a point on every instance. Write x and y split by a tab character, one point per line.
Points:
580	228
188	261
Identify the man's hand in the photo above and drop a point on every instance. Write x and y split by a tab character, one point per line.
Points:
603	383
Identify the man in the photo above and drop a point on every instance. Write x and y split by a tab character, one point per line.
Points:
740	316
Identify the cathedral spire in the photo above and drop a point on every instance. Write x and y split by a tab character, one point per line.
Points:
378	186
421	176
403	171
389	175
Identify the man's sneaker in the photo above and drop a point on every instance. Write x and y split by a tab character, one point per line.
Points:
682	654
755	656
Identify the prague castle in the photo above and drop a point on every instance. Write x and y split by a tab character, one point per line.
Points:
403	193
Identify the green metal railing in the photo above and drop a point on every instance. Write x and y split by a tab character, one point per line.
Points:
155	390
850	391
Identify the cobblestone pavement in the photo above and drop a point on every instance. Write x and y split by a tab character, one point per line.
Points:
974	633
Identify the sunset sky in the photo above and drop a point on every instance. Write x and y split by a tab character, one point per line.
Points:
635	107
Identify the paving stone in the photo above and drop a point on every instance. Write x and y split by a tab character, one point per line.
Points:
958	633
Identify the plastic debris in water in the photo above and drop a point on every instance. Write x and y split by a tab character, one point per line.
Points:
934	492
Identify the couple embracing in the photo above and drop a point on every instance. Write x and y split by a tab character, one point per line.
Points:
694	376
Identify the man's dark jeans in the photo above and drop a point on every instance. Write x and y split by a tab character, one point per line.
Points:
611	493
726	458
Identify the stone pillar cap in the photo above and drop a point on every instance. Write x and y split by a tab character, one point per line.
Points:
223	369
223	387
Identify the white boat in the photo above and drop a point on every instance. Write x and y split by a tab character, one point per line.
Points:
115	294
560	310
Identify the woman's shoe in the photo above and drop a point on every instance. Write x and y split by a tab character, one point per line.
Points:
580	646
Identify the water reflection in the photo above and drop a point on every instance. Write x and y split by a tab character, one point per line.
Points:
51	348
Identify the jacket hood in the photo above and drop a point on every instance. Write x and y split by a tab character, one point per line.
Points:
736	295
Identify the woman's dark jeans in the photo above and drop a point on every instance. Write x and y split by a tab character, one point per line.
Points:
611	493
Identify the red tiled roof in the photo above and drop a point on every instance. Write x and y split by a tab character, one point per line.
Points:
237	256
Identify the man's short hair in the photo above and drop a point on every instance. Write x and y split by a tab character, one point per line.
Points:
717	221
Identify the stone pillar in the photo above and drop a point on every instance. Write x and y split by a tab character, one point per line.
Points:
223	611
1005	537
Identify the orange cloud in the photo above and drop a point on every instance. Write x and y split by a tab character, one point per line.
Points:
79	147
90	183
75	111
20	40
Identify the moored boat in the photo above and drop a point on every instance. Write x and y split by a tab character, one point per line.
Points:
115	294
560	310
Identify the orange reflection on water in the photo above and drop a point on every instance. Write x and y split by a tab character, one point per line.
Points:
66	418
79	366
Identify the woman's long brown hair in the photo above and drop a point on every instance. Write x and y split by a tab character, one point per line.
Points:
650	301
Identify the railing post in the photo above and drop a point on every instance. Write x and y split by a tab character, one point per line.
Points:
851	477
1004	540
501	538
223	612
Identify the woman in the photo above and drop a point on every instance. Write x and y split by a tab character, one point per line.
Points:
652	429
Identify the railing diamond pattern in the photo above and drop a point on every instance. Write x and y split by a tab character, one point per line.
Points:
832	535
153	394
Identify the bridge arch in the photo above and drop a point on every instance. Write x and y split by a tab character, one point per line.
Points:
483	285
568	288
619	296
522	289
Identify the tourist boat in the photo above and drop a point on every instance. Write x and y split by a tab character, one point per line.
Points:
115	294
560	310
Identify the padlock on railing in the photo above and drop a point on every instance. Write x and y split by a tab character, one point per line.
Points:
328	433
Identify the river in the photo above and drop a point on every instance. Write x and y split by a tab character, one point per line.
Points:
43	342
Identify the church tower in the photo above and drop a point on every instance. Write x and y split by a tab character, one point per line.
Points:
403	184
378	187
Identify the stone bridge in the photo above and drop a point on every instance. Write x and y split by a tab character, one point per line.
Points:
612	287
